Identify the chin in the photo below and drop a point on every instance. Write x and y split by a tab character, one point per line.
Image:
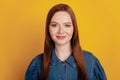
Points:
61	43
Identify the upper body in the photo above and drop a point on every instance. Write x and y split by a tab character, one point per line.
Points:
66	70
61	44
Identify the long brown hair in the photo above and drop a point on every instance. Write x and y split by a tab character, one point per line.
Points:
49	44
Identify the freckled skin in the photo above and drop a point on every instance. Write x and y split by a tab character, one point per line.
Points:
61	28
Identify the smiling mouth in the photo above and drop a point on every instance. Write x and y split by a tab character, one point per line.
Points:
60	37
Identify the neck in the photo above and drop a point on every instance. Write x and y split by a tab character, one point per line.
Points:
63	51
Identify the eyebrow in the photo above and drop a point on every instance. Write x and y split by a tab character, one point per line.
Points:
68	23
63	23
53	22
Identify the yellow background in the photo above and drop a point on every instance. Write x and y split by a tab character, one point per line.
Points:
22	25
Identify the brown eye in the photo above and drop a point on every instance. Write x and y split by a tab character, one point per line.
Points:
53	25
68	25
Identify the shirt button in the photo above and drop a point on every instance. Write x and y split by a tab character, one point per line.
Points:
63	64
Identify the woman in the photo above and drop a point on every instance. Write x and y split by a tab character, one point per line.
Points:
63	58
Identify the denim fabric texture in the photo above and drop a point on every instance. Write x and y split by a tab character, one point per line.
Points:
66	70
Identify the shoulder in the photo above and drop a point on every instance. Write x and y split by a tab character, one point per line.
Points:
93	66
90	59
34	68
36	60
88	56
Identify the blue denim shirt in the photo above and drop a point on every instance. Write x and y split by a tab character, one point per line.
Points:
66	70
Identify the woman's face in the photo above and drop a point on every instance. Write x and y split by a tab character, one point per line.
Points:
61	28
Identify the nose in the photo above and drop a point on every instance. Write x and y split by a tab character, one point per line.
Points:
61	30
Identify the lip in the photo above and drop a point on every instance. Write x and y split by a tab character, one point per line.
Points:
60	37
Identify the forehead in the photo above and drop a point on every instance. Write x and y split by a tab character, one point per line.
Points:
61	16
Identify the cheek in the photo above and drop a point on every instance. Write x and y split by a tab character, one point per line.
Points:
52	34
50	31
70	32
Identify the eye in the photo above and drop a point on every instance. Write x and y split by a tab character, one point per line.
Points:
67	25
53	25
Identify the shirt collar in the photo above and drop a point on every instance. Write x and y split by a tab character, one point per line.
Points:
55	60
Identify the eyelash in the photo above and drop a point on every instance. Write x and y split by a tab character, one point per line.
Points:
67	25
53	25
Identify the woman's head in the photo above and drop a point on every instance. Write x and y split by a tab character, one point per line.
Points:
66	11
61	28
